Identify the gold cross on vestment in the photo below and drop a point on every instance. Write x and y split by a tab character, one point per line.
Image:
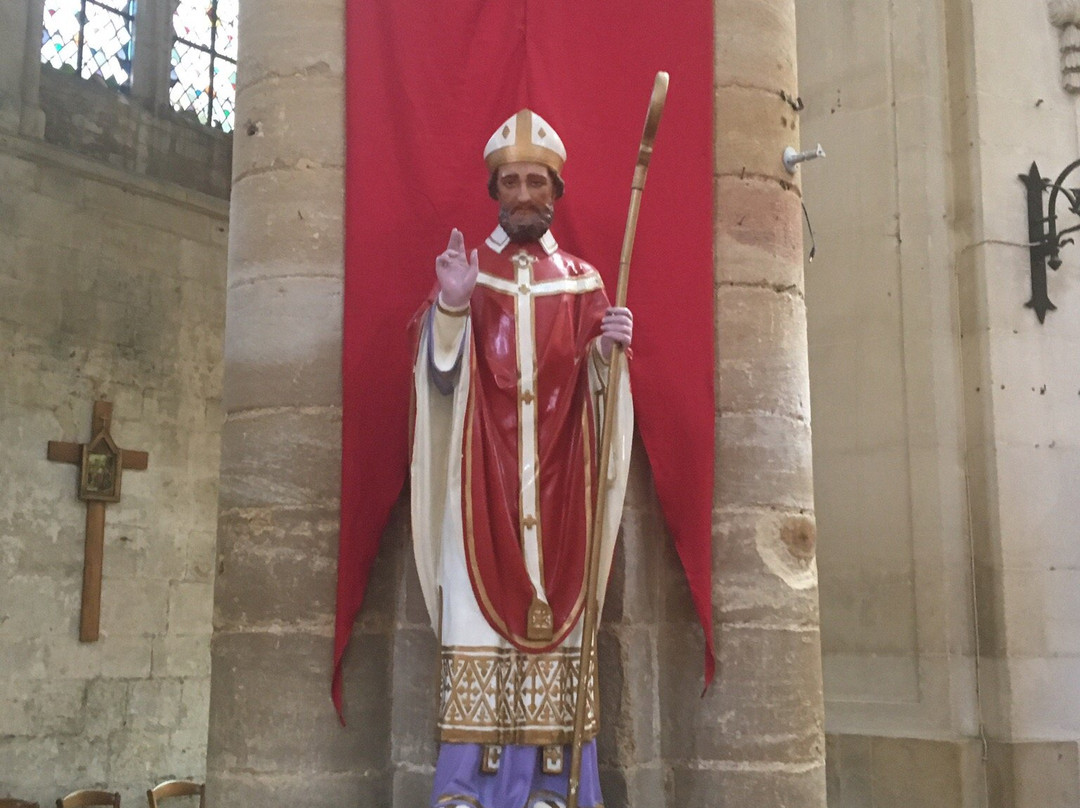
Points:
100	463
523	261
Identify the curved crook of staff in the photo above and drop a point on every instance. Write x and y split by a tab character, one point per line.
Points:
588	633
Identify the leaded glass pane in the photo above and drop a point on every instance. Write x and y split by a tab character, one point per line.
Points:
106	46
190	88
224	93
192	21
99	43
225	39
60	33
203	77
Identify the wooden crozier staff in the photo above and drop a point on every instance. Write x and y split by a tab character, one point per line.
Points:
588	633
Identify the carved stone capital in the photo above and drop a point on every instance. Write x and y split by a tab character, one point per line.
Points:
1065	15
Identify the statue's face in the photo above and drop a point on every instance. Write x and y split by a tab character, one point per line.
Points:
526	200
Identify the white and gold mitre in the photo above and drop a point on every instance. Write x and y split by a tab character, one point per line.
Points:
525	138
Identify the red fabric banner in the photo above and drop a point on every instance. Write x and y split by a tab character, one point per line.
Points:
427	84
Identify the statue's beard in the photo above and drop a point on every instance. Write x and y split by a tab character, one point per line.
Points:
526	222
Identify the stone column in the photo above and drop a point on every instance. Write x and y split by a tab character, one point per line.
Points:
274	738
13	27
757	736
32	121
153	53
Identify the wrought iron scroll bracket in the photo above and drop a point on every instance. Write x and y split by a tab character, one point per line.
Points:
1044	239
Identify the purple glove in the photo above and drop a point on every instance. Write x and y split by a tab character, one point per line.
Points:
456	272
616	327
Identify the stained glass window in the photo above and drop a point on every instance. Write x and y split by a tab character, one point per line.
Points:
90	38
203	77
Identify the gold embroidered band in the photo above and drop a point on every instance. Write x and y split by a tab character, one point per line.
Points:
506	696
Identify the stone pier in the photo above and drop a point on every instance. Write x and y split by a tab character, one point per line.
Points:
274	738
757	737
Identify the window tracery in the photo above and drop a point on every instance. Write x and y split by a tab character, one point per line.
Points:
203	77
90	38
98	38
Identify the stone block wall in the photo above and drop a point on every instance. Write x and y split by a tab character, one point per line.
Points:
884	772
111	286
92	119
945	431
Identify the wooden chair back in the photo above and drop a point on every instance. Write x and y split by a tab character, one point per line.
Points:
175	788
11	802
90	798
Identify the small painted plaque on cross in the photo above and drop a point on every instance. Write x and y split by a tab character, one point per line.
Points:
101	463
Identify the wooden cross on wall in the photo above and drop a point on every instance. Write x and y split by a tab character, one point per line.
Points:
100	463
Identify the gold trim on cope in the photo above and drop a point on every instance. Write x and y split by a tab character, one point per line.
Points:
449	312
469	537
578	285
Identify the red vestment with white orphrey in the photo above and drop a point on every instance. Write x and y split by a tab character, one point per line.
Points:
529	470
504	488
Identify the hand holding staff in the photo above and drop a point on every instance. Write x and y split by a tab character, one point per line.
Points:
588	634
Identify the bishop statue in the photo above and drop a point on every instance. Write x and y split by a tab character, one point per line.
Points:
510	373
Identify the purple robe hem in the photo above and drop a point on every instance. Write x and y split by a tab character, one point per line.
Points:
519	782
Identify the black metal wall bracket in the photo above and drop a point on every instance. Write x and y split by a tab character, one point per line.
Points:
1044	239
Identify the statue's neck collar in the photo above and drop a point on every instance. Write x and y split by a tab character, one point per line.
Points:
498	241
